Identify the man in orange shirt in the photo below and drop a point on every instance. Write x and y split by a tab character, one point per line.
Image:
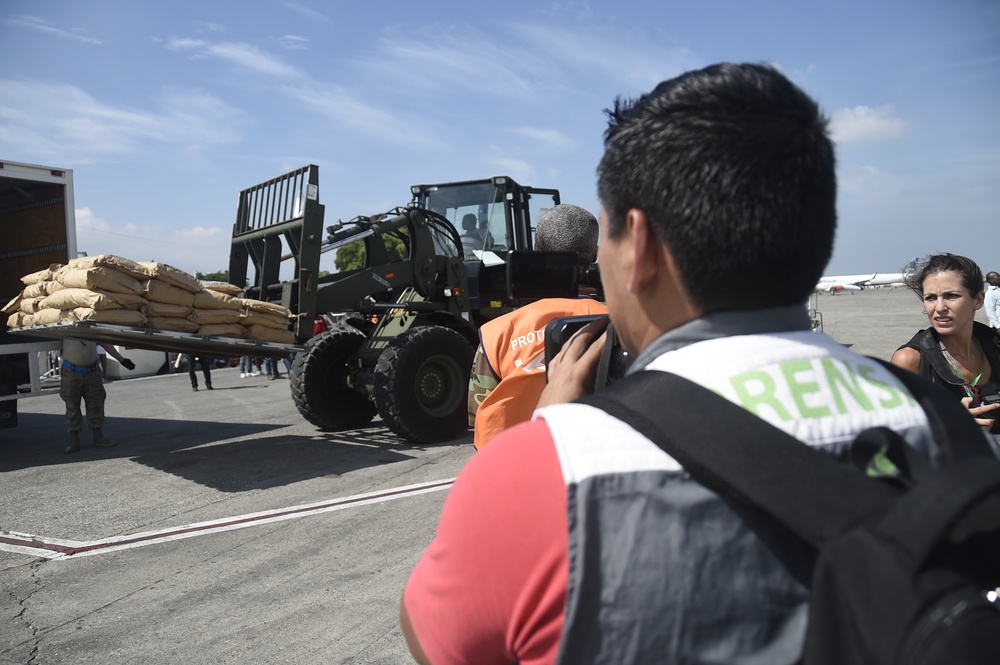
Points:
508	373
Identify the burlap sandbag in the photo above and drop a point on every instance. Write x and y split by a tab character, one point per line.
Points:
223	330
171	323
251	318
120	317
41	289
127	266
41	275
267	307
101	278
73	298
13	306
172	275
44	317
207	317
19	320
31	305
265	334
222	287
207	299
165	310
159	291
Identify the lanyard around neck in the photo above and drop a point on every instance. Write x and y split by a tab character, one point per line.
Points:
958	372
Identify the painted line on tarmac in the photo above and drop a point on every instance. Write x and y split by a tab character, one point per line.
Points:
55	548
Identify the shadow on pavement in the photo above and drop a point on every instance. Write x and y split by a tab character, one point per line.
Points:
266	462
229	457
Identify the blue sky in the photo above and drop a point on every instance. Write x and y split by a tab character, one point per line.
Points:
166	110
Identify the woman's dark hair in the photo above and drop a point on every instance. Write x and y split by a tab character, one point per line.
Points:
972	276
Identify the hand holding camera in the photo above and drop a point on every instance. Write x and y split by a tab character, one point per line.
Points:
986	400
573	347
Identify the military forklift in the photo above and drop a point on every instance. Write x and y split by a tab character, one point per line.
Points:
395	336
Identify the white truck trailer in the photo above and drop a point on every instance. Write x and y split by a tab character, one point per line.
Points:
38	227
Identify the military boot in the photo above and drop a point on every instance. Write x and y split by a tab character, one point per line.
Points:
102	441
74	442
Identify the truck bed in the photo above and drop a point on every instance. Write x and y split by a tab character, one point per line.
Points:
159	340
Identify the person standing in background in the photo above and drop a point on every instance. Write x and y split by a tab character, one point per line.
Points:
206	364
508	371
992	304
81	378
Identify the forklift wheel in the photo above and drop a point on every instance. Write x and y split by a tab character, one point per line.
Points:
319	382
422	384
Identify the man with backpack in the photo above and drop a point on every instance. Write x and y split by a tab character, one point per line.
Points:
574	538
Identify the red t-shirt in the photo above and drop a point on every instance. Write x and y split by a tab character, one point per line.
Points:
491	588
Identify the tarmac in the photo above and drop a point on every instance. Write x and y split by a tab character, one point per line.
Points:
224	528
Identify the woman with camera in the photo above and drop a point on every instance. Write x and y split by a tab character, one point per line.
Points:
956	351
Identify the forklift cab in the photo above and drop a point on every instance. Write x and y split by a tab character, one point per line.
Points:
505	213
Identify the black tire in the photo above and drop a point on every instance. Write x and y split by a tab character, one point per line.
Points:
422	384
319	383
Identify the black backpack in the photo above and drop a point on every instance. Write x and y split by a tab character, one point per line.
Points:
901	569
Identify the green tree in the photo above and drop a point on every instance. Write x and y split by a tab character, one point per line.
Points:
220	276
352	255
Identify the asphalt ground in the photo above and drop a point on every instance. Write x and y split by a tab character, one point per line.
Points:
224	528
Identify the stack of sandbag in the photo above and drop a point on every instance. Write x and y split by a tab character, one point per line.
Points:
111	289
266	321
102	289
22	308
170	293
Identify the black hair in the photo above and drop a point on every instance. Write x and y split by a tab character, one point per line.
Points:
972	276
734	168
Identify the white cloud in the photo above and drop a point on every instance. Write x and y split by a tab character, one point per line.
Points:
864	124
185	43
454	62
628	58
41	25
306	11
241	54
549	137
86	219
192	249
251	57
62	123
196	234
518	169
293	42
208	26
336	104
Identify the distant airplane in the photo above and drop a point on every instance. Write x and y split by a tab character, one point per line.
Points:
886	278
835	286
835	283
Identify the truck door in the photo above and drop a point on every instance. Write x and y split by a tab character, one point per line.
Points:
534	203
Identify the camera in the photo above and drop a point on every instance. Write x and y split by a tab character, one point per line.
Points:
536	275
984	400
614	360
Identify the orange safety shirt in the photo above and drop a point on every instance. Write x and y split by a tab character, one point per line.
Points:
514	345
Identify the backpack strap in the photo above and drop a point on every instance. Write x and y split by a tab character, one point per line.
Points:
989	342
607	355
933	365
795	502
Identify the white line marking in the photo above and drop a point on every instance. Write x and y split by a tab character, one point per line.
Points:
61	549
